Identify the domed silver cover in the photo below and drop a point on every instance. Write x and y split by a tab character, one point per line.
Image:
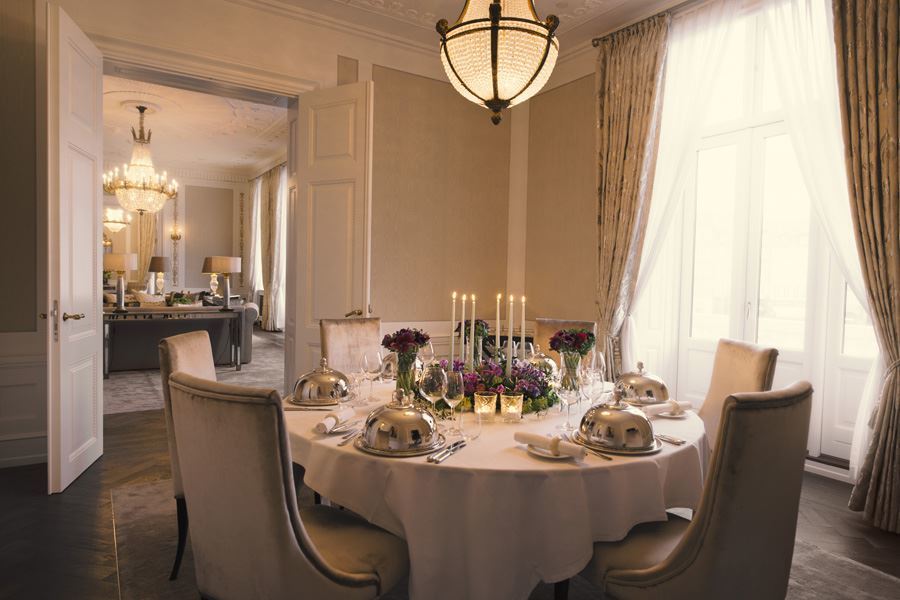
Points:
616	427
323	386
400	429
641	387
544	363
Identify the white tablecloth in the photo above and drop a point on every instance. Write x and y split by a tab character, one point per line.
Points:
492	521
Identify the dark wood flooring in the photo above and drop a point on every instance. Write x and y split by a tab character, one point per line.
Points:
62	546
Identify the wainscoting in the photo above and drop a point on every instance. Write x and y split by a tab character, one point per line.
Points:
23	410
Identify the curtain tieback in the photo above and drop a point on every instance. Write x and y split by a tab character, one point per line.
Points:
891	368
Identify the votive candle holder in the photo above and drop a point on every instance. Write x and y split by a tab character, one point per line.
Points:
486	405
511	407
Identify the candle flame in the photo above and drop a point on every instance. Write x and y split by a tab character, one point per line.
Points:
523	299
473	297
454	295
464	297
511	297
499	296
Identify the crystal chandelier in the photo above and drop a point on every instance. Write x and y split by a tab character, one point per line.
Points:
138	187
115	219
498	53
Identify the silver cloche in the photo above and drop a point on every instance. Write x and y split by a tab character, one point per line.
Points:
323	386
400	428
641	387
616	426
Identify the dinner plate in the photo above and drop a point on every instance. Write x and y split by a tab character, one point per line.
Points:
327	407
544	453
670	415
360	444
657	446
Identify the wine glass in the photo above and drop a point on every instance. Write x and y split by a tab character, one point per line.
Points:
454	394
426	354
371	367
433	384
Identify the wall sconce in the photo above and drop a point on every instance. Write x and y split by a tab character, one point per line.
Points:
175	234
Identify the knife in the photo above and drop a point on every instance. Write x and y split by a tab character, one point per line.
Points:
456	448
450	448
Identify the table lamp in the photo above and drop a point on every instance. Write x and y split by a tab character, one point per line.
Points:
120	263
159	265
225	265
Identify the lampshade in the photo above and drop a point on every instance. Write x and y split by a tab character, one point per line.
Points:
159	264
498	55
119	262
222	264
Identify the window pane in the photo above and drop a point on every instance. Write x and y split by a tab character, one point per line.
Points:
770	95
784	253
729	96
859	335
710	307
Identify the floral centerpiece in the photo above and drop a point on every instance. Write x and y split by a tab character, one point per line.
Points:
573	345
406	343
535	386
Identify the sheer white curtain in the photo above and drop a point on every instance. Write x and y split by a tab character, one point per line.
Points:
255	259
279	280
273	245
801	34
692	63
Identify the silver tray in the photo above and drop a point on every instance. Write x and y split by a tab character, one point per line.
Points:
657	446
639	402
360	444
317	406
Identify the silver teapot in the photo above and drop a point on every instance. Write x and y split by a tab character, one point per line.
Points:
616	426
643	388
323	386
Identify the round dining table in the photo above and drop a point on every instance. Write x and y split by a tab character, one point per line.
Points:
493	521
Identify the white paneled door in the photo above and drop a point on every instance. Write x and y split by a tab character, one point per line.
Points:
75	328
329	216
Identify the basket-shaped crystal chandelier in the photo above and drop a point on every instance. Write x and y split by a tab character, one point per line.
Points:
115	219
498	53
139	187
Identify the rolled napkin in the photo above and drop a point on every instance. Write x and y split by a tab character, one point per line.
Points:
554	445
335	418
672	406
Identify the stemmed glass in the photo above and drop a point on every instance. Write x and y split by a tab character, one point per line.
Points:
371	366
454	394
426	354
433	384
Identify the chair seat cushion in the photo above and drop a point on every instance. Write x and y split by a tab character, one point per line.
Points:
646	545
354	545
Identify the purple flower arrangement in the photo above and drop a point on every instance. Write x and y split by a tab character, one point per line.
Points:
534	385
405	341
580	341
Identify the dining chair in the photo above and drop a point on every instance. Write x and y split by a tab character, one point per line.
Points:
189	353
344	341
737	367
248	537
741	539
545	329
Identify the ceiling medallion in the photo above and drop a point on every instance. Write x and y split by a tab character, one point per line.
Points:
498	53
139	188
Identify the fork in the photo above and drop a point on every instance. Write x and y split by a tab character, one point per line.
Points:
348	437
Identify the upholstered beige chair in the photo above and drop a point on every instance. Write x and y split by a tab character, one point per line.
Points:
344	341
248	538
741	540
189	353
547	327
738	367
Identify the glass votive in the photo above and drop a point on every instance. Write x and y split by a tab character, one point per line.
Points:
485	405
511	407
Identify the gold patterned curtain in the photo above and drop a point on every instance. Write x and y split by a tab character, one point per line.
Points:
868	48
629	93
146	245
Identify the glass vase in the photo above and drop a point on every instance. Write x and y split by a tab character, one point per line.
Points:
569	386
479	342
406	372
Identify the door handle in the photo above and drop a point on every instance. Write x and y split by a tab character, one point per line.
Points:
354	313
74	317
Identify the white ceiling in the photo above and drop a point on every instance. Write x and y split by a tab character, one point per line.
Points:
580	20
191	130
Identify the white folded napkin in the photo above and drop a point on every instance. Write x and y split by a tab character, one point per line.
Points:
335	418
554	445
672	406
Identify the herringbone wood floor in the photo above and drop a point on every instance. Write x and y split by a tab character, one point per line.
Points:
62	546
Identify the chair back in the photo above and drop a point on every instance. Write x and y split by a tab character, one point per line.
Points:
246	534
547	327
738	367
344	341
189	353
741	541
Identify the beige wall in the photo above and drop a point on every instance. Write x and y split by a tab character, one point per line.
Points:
18	166
208	230
561	256
440	199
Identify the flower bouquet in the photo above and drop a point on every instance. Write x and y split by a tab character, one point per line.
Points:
535	386
406	343
573	345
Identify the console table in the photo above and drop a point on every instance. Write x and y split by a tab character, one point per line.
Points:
137	321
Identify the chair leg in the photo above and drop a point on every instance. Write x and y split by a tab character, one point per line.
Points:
561	590
181	508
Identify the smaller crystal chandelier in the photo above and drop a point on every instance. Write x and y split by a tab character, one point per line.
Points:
139	188
115	219
498	53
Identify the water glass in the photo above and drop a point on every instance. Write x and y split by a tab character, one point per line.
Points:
433	384
455	393
371	367
470	425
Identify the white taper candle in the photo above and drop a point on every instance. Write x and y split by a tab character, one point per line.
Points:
452	327
472	335
497	328
462	332
510	340
522	333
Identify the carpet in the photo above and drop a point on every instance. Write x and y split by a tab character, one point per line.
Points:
145	530
128	391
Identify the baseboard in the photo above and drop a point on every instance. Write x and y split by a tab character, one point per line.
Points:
828	471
